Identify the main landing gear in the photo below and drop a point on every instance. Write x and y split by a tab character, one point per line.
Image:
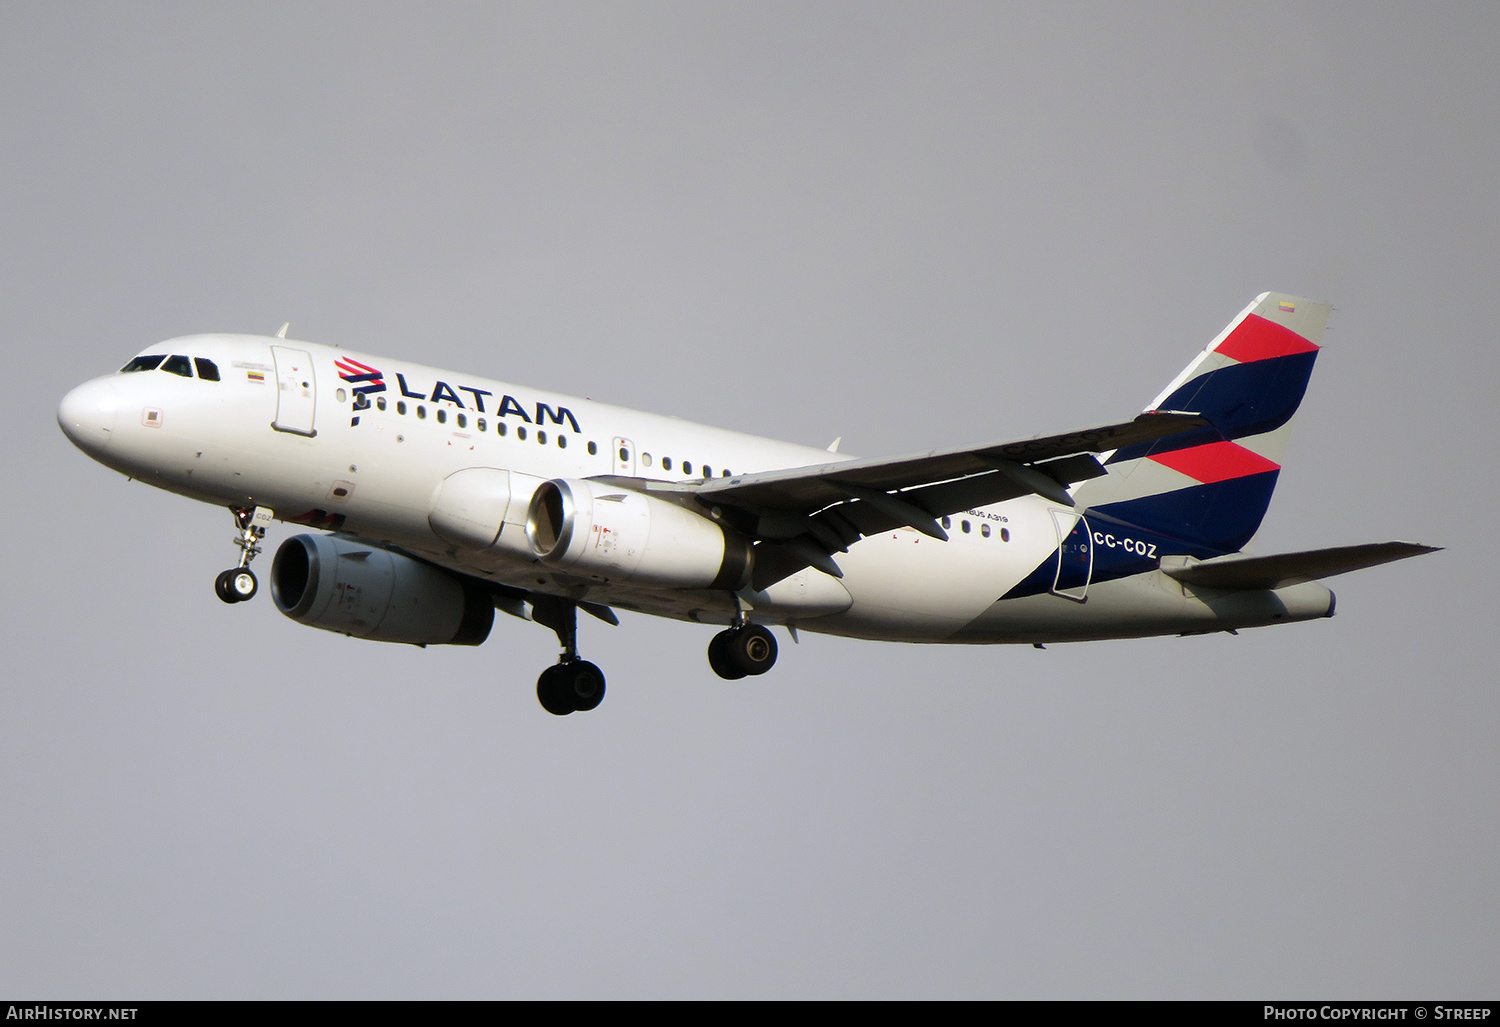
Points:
571	685
745	649
238	583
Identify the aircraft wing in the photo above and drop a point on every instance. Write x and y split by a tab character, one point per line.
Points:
801	516
815	487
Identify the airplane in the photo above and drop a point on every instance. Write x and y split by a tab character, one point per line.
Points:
443	497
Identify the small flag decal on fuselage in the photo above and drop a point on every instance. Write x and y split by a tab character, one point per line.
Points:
1286	308
255	376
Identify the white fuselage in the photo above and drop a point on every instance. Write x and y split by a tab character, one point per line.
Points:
284	427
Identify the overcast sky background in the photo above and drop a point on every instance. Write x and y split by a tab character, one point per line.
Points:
910	225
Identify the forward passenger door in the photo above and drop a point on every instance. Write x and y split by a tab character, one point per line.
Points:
296	391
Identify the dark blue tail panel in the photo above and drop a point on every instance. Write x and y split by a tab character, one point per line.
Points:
1222	515
1239	400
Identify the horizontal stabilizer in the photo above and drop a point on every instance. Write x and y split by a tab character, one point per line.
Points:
1286	569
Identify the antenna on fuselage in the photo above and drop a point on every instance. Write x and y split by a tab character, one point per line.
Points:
282	334
833	447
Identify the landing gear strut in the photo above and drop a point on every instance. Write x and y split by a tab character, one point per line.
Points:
571	685
742	650
238	583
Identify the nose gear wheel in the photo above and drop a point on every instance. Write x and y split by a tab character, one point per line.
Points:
238	584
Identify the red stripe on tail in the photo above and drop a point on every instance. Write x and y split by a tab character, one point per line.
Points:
1217	461
1259	339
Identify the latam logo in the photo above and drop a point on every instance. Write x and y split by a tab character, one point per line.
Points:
366	379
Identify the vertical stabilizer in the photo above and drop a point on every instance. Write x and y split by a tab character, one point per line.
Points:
1210	488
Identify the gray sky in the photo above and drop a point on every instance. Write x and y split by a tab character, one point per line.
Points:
909	225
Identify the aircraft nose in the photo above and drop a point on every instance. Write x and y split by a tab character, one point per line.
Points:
87	415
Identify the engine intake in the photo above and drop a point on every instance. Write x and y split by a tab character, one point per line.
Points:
610	534
338	585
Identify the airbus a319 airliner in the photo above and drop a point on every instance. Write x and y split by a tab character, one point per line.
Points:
446	497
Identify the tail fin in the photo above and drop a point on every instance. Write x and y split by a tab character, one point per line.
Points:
1210	488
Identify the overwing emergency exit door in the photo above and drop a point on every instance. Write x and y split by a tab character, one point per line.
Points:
624	458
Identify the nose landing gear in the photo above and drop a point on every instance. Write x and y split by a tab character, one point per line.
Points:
236	585
239	583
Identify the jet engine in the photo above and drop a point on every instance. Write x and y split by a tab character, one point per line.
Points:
483	508
340	585
610	534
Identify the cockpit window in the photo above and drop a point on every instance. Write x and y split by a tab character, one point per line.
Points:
207	369
143	363
177	364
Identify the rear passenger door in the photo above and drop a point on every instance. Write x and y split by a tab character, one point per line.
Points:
1075	555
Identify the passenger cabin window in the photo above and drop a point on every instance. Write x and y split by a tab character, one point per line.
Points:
179	365
207	369
666	463
143	363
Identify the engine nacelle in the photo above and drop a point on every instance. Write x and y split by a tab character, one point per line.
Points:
483	508
613	534
338	585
